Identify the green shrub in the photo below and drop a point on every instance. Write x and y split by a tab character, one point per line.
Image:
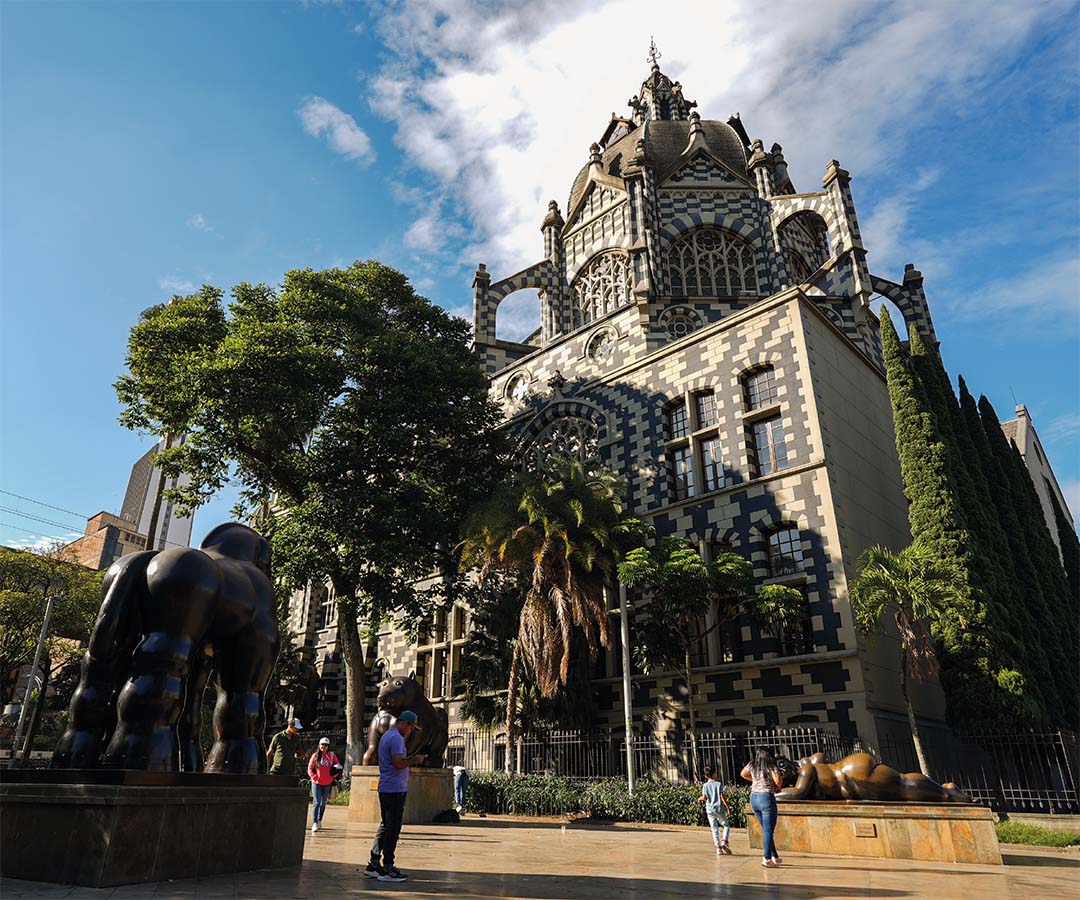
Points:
602	798
342	799
1022	833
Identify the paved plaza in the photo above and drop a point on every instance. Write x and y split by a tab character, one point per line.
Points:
543	860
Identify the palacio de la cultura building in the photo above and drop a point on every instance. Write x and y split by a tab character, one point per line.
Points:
706	333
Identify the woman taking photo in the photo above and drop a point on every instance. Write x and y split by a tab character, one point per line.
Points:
764	777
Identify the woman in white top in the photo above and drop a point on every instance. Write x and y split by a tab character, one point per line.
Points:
764	777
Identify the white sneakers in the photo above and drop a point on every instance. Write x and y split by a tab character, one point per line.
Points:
316	827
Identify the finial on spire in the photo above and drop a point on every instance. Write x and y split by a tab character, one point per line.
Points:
654	54
594	155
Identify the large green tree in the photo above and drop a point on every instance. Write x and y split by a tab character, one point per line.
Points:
687	599
354	416
912	587
562	530
27	580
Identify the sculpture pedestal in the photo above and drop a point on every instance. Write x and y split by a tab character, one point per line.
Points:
938	832
106	828
431	791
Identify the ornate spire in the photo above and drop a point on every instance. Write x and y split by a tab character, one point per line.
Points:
659	96
654	53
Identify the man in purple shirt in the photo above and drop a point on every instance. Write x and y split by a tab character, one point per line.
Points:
394	763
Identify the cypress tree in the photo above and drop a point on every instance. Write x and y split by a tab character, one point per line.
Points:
1006	625
1025	594
934	515
1055	616
1070	550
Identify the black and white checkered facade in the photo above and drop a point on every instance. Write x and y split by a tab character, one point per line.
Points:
628	327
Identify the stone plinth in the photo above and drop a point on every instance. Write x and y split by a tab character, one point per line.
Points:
431	791
938	832
108	828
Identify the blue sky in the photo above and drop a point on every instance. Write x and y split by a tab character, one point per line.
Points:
147	148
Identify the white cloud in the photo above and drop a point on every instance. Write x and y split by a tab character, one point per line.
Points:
42	544
886	230
1063	428
175	284
321	118
497	104
1043	299
199	223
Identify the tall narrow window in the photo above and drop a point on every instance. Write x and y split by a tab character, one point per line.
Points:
712	464
785	552
760	388
699	650
682	472
705	406
678	423
770	446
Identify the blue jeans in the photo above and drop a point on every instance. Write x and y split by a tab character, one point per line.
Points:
320	793
716	822
764	806
461	784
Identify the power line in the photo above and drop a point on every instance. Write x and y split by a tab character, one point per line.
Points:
70	512
27	515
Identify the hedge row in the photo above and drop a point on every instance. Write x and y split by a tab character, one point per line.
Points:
1022	833
604	798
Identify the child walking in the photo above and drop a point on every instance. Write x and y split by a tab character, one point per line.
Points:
716	810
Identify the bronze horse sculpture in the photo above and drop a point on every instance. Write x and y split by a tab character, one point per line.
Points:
858	777
169	619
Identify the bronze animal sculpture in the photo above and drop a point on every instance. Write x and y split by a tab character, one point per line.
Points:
397	694
168	620
858	777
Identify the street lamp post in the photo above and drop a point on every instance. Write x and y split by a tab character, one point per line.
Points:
628	703
30	680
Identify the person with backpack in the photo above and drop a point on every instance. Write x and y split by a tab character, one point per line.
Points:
323	768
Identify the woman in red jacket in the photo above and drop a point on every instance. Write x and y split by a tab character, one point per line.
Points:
323	768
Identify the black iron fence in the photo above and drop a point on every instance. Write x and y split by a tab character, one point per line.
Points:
1023	772
601	753
1032	772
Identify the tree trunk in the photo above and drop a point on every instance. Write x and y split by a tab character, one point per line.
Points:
692	716
916	740
511	708
352	653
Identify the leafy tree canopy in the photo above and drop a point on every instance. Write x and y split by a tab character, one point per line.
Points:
27	580
355	417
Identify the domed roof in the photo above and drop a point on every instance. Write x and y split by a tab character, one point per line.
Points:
665	141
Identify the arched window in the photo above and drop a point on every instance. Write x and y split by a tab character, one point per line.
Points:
785	551
711	262
760	388
798	267
572	436
602	285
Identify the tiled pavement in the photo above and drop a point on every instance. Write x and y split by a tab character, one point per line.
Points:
542	860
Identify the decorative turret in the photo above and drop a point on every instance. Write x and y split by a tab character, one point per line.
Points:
780	172
761	167
659	98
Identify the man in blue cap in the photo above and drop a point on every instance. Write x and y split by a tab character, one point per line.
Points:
394	763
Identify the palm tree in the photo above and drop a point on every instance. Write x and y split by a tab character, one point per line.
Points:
563	529
684	594
915	587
